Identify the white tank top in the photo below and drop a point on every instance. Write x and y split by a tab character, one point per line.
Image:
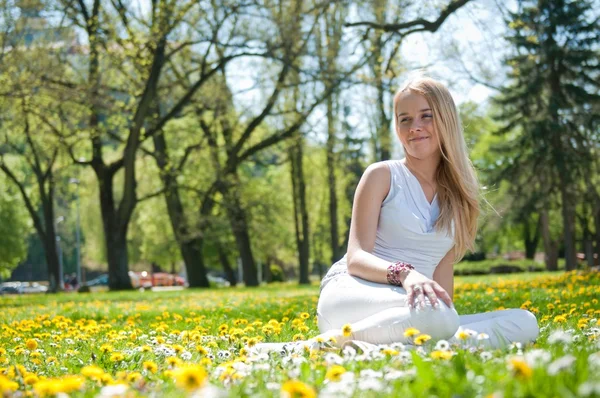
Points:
405	229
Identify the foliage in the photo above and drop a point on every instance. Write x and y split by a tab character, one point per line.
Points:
15	225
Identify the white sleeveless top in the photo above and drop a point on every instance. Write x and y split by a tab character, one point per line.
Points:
405	229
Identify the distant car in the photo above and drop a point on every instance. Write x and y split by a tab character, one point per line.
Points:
101	280
11	288
217	280
33	287
22	288
148	280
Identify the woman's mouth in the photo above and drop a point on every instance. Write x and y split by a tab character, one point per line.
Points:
419	139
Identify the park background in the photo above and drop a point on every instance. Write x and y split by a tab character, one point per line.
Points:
229	137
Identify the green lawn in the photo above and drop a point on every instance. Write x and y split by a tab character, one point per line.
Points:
176	342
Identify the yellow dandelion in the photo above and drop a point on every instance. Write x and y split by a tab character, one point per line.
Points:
117	357
92	372
206	361
305	315
174	361
31	344
463	334
441	354
297	389
410	332
190	378
104	348
520	368
560	319
335	373
298	337
422	338
30	379
347	330
133	377
252	342
150	366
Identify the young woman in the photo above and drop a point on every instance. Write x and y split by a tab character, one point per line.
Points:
412	219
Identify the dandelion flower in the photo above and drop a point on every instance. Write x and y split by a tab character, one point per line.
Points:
31	344
347	330
519	367
335	373
297	389
410	332
422	338
190	378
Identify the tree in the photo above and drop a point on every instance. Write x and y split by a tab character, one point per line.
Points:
555	80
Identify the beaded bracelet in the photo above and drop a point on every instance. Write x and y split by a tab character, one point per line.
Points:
393	272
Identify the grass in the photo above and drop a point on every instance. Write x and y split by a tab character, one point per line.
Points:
179	342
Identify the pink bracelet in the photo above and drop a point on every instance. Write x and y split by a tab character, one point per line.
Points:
394	270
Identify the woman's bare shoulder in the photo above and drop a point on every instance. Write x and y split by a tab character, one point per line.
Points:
377	177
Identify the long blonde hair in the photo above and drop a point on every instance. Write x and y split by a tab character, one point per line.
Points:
458	187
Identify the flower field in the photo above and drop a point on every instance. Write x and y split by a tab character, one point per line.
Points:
200	342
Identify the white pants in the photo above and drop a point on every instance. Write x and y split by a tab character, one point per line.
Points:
378	314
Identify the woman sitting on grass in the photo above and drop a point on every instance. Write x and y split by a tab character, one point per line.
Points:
412	219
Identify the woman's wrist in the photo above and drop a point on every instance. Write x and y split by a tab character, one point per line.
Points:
397	272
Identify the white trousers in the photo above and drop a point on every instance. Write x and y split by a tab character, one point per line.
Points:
378	314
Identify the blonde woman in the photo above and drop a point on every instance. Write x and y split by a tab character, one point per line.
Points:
412	219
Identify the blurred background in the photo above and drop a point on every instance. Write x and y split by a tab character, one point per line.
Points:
196	143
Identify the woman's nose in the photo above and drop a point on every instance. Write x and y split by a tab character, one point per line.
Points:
415	125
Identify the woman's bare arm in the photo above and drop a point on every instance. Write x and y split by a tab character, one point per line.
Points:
372	189
444	273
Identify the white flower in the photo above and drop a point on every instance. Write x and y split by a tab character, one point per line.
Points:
537	357
485	356
370	384
115	390
370	373
405	356
273	386
442	345
560	336
561	364
483	336
588	388
398	346
333	359
395	375
186	355
349	352
594	360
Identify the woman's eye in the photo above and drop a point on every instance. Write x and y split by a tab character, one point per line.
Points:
427	115
403	120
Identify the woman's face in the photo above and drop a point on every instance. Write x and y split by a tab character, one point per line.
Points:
415	127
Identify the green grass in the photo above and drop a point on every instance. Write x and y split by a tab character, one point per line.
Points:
55	336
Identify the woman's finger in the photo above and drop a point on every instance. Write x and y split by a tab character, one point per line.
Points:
443	294
430	292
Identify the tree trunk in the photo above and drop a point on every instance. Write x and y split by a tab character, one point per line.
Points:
189	246
116	250
115	237
191	251
530	241
239	226
333	218
300	210
550	245
597	227
569	228
229	271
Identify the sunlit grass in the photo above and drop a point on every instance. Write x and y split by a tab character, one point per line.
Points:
181	342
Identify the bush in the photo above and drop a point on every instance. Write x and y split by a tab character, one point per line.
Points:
276	273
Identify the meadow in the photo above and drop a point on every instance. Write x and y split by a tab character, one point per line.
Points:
200	342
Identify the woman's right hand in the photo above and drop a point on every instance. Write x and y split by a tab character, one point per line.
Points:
418	286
